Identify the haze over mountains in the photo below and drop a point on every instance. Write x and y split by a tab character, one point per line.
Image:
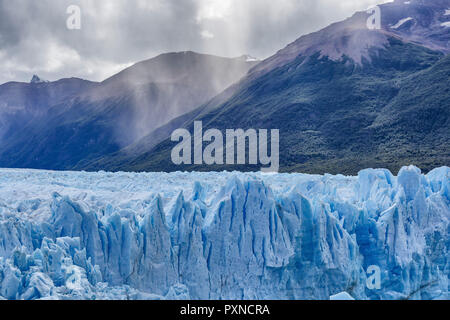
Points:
344	98
54	125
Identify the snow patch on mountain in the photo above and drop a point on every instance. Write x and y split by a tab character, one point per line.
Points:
77	235
401	22
248	58
251	59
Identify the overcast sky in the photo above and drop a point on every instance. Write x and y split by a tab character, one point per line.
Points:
114	34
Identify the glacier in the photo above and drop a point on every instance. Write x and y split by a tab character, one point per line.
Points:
223	235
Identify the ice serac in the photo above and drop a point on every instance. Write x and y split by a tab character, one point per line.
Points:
245	241
74	235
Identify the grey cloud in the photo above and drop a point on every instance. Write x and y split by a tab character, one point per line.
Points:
114	34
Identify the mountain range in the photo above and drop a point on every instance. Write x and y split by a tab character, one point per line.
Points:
55	125
344	98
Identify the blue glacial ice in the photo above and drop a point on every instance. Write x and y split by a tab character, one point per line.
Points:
77	235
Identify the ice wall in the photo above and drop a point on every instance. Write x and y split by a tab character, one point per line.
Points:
74	235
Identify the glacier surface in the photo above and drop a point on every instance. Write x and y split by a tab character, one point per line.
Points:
77	235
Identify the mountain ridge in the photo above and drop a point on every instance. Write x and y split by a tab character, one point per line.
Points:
388	66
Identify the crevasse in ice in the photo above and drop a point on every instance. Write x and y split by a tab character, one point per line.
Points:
77	235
